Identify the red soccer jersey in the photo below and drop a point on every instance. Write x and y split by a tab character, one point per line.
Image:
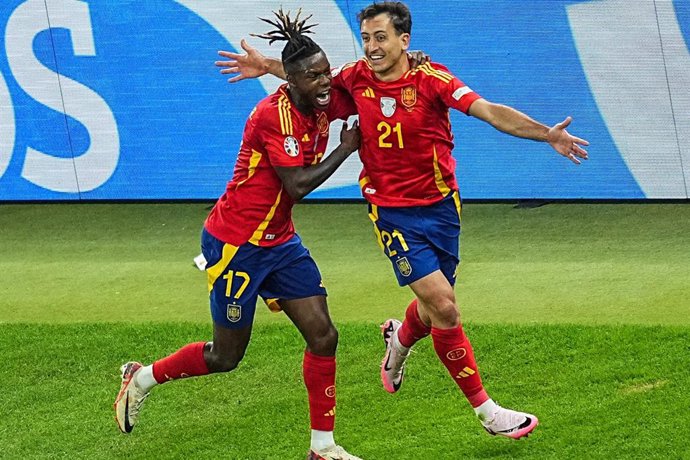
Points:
255	208
407	140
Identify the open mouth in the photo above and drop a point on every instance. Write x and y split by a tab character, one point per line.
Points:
376	57
323	98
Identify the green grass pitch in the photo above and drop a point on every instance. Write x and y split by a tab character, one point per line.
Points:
577	312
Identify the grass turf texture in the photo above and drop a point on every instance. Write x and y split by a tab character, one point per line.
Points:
601	392
555	300
591	264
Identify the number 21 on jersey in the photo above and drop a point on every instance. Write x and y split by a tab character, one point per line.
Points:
389	135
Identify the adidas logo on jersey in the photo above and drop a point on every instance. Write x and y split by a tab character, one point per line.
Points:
368	93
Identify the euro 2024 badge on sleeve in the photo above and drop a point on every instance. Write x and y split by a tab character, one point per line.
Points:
291	146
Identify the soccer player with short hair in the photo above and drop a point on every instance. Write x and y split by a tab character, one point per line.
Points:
409	181
250	243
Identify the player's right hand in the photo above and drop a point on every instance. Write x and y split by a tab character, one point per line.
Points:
350	137
253	64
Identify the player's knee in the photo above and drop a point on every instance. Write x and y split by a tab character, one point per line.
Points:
324	343
217	362
446	312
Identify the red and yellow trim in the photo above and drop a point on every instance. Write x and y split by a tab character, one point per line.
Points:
259	232
458	204
253	163
438	177
374	216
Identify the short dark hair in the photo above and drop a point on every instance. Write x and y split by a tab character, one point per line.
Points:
298	46
397	11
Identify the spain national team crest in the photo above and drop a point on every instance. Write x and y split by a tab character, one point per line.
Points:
234	312
409	97
388	106
291	146
404	266
322	123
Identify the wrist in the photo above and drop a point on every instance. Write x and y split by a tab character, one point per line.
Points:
266	66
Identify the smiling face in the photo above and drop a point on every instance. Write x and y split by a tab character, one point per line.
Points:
384	47
310	82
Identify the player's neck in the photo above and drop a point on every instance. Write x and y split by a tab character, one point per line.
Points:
304	107
396	72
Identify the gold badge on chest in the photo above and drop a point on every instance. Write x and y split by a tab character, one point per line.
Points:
409	97
322	123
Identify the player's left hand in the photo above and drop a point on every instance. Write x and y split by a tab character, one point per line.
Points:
250	65
566	144
350	137
417	58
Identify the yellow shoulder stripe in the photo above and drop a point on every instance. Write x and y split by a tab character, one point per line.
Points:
285	116
428	70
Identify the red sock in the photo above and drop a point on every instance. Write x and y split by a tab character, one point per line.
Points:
412	329
455	351
319	378
188	361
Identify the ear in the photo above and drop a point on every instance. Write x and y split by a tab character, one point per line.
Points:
405	39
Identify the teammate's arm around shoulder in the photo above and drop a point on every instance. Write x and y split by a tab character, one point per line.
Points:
298	182
516	123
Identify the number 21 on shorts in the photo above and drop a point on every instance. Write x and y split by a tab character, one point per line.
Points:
387	240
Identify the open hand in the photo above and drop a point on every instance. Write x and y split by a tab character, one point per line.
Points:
566	144
249	65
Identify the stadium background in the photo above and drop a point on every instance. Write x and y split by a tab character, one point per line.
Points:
106	100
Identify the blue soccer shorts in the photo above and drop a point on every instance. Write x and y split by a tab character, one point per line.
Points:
419	240
238	274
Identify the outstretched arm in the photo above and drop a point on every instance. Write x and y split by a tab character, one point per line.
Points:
298	182
253	64
516	123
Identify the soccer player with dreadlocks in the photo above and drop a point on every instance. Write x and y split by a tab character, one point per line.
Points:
250	243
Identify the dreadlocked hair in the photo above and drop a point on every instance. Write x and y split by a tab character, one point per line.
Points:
298	46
